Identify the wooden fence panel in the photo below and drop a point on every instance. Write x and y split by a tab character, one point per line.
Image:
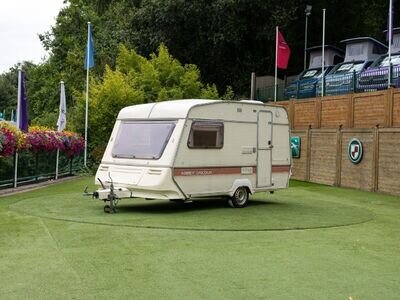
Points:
335	112
396	109
305	114
389	161
323	157
369	110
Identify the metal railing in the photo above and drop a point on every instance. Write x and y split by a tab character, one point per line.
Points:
266	94
36	167
372	79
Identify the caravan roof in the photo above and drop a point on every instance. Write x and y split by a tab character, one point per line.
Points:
363	49
156	110
332	55
395	40
176	109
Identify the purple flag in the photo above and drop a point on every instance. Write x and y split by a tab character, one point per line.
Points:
22	105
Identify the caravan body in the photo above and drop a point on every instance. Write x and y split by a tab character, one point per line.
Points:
186	149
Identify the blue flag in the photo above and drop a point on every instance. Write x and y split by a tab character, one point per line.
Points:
22	104
89	49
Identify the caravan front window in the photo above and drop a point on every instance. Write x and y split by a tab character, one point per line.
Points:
143	140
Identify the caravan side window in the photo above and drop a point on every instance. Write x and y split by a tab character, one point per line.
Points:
206	135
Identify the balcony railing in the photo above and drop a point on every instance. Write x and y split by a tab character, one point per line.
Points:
372	79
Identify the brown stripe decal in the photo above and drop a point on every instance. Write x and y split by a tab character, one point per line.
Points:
280	168
214	171
246	170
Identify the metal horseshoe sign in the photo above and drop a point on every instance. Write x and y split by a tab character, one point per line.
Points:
355	151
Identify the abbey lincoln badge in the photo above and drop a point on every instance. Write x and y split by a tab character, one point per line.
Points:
355	151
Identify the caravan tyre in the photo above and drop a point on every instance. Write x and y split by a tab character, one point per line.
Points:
239	198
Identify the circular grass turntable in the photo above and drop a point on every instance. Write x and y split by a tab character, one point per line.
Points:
264	212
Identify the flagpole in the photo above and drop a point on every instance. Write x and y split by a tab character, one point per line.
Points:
18	123
390	42
59	126
323	53
87	95
276	63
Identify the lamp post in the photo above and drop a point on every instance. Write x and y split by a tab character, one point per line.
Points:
307	11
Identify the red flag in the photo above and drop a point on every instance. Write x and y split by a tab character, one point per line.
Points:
283	52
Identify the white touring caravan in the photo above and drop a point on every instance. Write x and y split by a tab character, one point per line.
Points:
186	149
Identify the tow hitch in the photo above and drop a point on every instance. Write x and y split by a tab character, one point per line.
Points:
110	196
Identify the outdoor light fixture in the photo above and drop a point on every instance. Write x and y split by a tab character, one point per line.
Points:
307	11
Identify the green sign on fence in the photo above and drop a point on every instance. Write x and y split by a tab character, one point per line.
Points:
295	145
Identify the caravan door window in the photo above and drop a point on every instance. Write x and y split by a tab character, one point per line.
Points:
143	140
206	135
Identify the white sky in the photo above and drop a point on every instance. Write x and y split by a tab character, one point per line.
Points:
20	23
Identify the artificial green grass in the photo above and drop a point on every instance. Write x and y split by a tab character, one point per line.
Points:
307	242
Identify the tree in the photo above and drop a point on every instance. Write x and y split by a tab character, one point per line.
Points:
136	80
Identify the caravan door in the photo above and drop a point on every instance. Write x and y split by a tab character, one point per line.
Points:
264	149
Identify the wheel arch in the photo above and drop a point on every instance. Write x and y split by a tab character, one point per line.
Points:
241	182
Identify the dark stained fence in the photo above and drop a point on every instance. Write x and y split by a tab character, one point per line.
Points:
36	167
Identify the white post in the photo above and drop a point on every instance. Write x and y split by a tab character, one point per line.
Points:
252	86
87	95
323	53
390	28
58	156
305	43
276	64
18	123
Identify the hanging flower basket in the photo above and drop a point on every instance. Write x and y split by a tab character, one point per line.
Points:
74	144
39	139
11	139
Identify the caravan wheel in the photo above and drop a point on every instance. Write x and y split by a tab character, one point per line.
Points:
239	198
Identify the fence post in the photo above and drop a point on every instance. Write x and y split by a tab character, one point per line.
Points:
351	112
36	166
339	156
298	89
389	107
291	113
354	81
390	75
375	159
318	111
15	160
308	155
70	165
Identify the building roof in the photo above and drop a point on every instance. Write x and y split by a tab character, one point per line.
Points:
331	55
319	48
363	39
